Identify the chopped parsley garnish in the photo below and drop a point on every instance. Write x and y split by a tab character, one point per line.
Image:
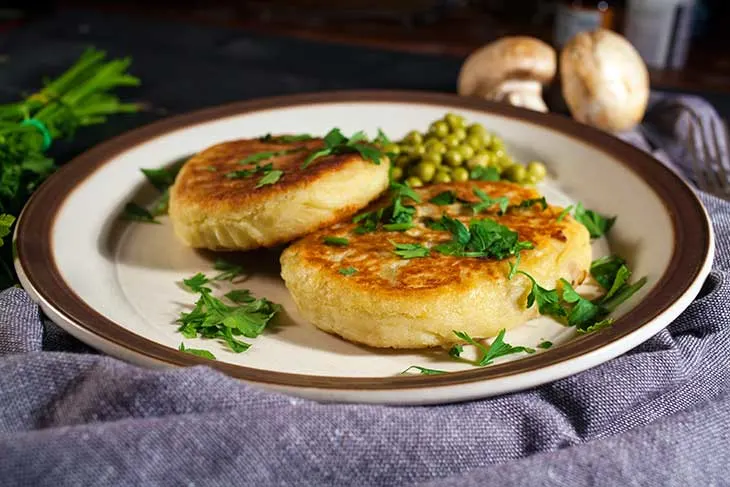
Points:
161	178
134	212
596	224
286	139
484	174
423	370
545	344
529	203
484	238
606	269
270	178
584	313
548	300
456	350
347	271
262	156
487	202
212	318
497	349
565	212
240	296
197	282
337	241
410	250
336	143
395	218
381	138
435	224
196	351
444	198
230	271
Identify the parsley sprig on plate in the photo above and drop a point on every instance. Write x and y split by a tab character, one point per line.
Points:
335	142
396	217
161	178
596	224
483	239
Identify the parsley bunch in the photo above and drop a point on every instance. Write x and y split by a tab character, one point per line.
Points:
79	97
483	238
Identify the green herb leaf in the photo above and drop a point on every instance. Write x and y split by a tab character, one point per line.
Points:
584	313
484	174
197	282
239	296
596	326
624	293
196	351
337	241
435	225
368	221
270	178
230	271
135	212
487	202
286	139
497	349
444	198
403	191
410	250
336	143
261	156
423	370
397	227
381	138
160	178
456	350
564	213
459	231
211	169
6	222
596	224
161	205
605	269
529	203
545	345
548	301
347	271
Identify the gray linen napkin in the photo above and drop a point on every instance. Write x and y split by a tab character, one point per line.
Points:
659	415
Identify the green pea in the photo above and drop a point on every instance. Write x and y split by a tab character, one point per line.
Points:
396	173
459	133
536	170
442	177
451	141
414	182
414	151
481	159
392	149
454	120
476	129
437	147
425	171
413	138
429	141
402	160
439	128
466	151
496	144
460	175
433	158
531	179
454	158
516	173
475	141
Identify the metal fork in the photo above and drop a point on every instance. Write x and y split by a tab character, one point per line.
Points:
710	156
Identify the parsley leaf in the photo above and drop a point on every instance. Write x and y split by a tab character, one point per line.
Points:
596	326
196	351
269	178
197	282
347	271
584	313
423	370
434	224
497	349
230	271
605	270
381	138
596	224
239	296
336	143
262	156
548	301
160	178
529	203
337	241
6	222
483	238
564	213
135	212
545	344
403	191
456	351
368	221
410	250
624	293
286	139
484	174
487	202
444	198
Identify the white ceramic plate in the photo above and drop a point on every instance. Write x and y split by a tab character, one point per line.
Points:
115	284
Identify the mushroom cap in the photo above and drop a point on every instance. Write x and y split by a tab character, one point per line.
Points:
605	82
520	58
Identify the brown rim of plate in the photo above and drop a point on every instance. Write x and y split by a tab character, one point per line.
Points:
691	229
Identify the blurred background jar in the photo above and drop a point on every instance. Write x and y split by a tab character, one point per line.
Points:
574	16
660	30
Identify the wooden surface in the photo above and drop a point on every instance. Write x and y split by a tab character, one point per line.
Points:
453	32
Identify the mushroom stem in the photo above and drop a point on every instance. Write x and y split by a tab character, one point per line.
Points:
521	93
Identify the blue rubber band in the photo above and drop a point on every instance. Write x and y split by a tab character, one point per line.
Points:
47	138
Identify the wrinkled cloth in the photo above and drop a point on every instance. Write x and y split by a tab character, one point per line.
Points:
659	415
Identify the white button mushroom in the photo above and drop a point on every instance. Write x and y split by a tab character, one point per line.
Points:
512	69
605	82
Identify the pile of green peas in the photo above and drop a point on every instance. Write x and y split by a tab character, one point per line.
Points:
451	150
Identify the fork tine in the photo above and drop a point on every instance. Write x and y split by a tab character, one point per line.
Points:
697	165
718	133
708	151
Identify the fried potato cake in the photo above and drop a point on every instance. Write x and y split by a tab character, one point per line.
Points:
218	201
367	294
